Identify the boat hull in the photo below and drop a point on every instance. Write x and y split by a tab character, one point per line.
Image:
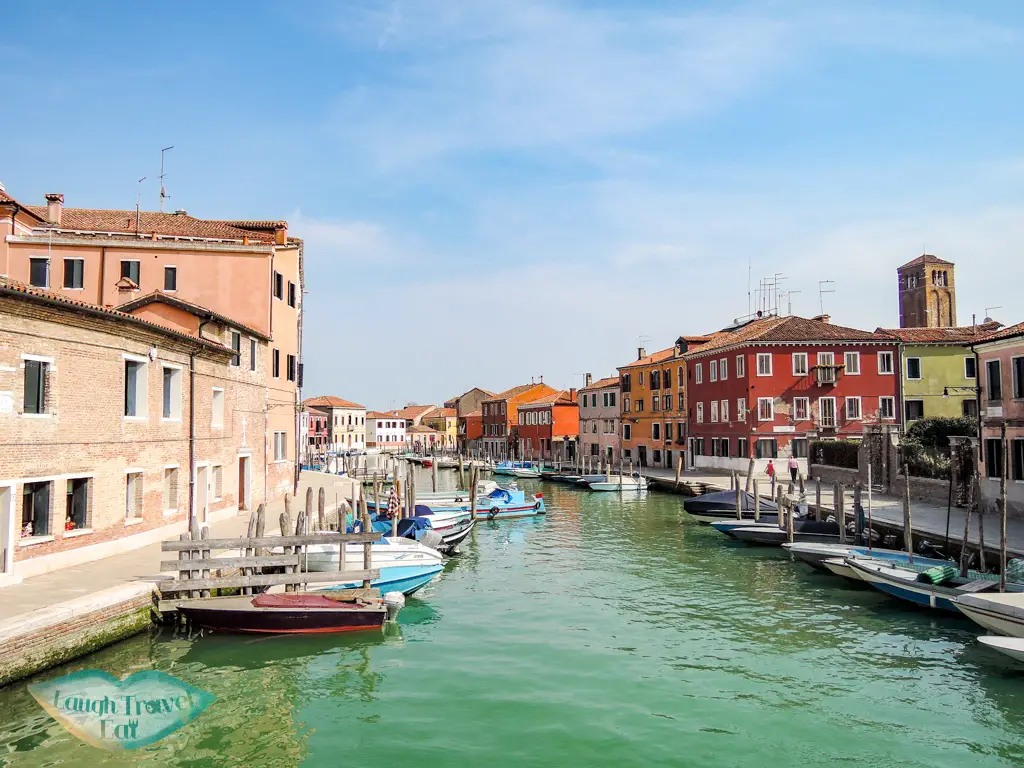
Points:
238	615
406	579
903	585
838	567
992	614
728	526
1009	646
773	536
613	485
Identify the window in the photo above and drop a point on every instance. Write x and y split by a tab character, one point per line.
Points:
994	380
801	409
723	369
278	285
171	394
626	382
252	354
281	446
170	279
740	368
627	432
767	448
171	489
39	271
625	405
133	497
851	362
885	362
700	413
639	405
799	363
993	457
611	399
667	401
913	367
668	431
764	364
887	407
74	273
135	388
217	408
291	294
131	268
35	510
852	408
714	411
1017	366
724	410
218	482
655	379
291	368
236	344
277	364
798	447
913	410
742	447
640	378
666	379
76	510
656	431
1017	460
970	367
655	402
713	365
35	386
699	373
970	408
765	409
657	456
594	428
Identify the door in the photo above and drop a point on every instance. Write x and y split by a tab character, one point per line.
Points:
244	484
690	462
6	530
202	493
642	455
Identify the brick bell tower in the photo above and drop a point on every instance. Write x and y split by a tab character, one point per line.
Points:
927	293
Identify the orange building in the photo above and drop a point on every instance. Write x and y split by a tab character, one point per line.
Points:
549	427
500	417
470	431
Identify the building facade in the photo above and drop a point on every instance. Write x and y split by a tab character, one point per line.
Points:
500	418
468	402
385	431
248	271
118	427
317	436
446	422
346	422
1001	375
471	432
600	421
927	292
765	389
549	427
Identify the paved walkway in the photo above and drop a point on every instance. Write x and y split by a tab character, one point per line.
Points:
49	589
926	518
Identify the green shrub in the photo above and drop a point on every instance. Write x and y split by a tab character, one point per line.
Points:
925	445
834	453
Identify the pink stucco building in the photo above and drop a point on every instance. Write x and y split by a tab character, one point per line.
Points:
1001	366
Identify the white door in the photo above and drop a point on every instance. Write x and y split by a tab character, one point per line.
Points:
244	483
202	493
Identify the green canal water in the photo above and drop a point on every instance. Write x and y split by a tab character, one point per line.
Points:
609	633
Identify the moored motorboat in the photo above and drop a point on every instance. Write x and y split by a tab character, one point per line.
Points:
722	505
1009	646
509	467
906	583
773	536
728	526
618	483
1001	612
405	565
499	504
526	472
815	553
452	534
289	613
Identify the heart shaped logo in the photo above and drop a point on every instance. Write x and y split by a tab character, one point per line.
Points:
117	714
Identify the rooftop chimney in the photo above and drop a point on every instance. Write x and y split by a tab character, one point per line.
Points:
588	379
641	353
572	394
54	203
822	318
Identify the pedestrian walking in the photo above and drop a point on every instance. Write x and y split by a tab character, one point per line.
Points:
770	471
794	468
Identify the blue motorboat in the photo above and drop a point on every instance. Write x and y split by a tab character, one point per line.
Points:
405	565
509	467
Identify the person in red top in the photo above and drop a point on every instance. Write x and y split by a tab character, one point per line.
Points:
770	471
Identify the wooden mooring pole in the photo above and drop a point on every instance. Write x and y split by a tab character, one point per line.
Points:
908	531
1002	506
757	502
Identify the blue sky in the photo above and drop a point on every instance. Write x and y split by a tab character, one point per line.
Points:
501	189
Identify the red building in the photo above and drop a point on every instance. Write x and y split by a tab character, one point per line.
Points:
318	437
549	428
470	429
763	390
500	417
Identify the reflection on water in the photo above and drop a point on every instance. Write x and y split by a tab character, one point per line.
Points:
609	632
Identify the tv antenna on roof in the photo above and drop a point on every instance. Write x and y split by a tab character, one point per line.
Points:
988	317
822	291
163	192
138	203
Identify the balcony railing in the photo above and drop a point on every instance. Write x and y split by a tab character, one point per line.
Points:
826	375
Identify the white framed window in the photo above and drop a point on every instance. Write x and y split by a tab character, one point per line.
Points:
627	431
801	409
914	368
887	407
827	411
217	481
724	410
236	345
640	378
74	274
700	413
170	278
135	386
885	363
698	373
714	411
799	363
280	446
970	367
723	368
39	271
741	409
764	364
851	363
170	490
853	411
133	496
740	365
765	409
714	370
217	408
37	384
132	269
171	398
253	346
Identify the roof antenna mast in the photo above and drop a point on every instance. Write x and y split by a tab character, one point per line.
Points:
163	192
138	201
822	291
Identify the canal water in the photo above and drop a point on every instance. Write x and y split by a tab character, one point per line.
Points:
611	632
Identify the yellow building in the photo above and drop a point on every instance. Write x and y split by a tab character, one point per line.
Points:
939	370
445	421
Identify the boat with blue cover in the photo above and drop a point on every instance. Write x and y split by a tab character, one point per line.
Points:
499	504
509	467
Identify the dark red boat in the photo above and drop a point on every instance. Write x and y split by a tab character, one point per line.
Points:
299	613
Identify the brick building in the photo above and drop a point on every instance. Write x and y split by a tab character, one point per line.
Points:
927	293
549	427
248	271
765	388
107	416
600	419
500	417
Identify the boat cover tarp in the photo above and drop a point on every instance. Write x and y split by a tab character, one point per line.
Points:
725	501
938	574
298	601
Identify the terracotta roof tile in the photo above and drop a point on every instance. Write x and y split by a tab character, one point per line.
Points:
656	357
414	411
422	429
1003	333
611	381
926	258
330	401
560	398
158	297
445	412
790	328
150	222
961	335
508	394
382	414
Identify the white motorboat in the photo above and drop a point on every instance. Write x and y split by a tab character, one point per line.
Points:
618	483
1010	646
1001	612
528	472
839	567
405	565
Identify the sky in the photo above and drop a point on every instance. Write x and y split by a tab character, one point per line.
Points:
495	190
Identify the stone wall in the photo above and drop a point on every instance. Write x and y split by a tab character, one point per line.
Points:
830	475
922	489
